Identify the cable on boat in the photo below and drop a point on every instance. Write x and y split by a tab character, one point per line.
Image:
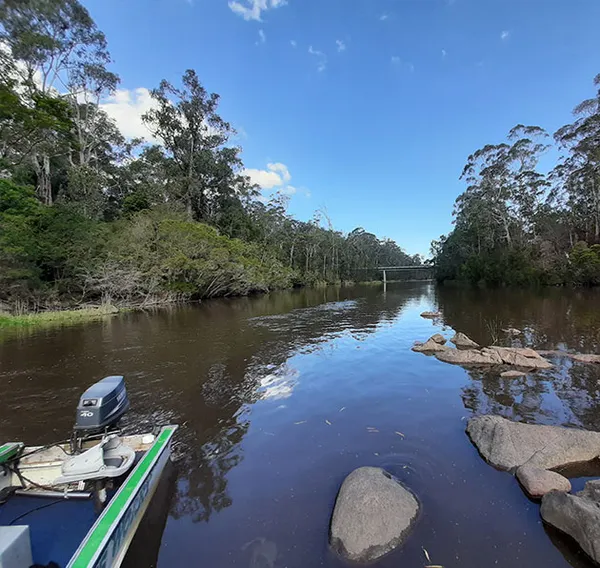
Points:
34	510
42	448
22	479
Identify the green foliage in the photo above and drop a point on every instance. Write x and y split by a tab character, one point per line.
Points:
515	225
115	219
18	212
585	264
55	318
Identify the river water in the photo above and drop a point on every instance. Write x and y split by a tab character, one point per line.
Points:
281	396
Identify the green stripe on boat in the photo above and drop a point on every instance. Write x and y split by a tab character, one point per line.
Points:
9	451
98	533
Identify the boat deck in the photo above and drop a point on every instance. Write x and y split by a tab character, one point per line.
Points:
56	526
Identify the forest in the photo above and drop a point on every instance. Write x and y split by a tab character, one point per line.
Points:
88	216
530	214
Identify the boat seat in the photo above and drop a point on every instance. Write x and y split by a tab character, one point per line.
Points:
110	458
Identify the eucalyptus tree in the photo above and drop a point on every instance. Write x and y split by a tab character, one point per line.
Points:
54	50
204	168
578	171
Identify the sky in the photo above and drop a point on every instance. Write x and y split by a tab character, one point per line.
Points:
367	109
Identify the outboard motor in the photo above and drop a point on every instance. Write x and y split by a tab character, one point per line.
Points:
100	408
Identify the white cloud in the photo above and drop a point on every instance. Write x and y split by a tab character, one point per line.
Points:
253	9
293	43
341	46
126	108
262	38
504	35
383	17
321	58
274	179
444	54
282	170
275	176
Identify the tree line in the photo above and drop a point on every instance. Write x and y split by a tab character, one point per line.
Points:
87	214
519	224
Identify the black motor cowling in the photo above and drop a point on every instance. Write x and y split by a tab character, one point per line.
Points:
101	406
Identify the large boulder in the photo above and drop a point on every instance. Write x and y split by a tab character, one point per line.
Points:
438	338
469	357
537	482
522	357
463	342
373	514
508	445
577	515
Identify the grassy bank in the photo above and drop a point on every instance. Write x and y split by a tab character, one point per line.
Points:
55	318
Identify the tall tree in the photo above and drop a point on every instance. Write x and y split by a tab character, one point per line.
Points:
56	49
578	172
204	169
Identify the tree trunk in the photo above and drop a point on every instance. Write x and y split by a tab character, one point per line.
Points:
507	232
41	165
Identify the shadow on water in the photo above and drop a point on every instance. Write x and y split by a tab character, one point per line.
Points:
280	396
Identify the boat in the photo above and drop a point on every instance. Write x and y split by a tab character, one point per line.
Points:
78	503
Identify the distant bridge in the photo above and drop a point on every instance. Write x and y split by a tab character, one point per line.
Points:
425	269
417	271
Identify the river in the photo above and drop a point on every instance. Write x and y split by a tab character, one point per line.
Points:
281	396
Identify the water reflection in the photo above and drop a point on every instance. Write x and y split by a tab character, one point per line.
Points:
280	396
255	366
552	318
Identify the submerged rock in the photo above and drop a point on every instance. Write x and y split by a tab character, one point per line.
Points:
469	357
577	515
537	482
263	553
461	340
512	374
373	514
579	357
431	315
508	445
586	358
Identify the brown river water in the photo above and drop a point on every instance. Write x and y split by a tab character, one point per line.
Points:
280	396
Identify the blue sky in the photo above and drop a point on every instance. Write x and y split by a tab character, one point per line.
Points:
367	108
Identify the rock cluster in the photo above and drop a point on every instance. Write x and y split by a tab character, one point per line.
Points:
531	452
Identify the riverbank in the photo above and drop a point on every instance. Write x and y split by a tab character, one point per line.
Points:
71	315
57	318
